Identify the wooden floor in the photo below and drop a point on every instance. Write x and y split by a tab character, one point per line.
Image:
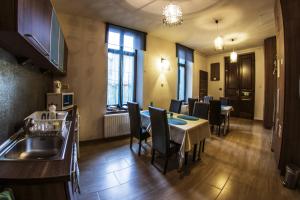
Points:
237	166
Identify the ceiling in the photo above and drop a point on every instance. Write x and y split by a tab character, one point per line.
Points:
249	22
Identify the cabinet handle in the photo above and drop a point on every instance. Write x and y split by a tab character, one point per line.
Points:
38	44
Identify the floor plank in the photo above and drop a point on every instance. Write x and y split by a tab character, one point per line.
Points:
238	166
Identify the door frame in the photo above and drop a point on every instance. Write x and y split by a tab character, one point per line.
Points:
252	54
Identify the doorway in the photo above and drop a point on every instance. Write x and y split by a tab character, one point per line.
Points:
240	85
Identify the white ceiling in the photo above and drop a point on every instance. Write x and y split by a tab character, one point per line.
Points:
248	21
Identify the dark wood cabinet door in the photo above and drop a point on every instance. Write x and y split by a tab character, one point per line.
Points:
270	82
34	23
240	85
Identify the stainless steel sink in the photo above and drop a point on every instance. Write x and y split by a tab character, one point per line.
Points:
35	148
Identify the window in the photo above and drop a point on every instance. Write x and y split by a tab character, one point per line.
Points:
123	45
121	69
185	57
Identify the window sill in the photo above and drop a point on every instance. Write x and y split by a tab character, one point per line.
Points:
116	112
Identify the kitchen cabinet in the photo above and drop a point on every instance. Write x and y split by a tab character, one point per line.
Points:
58	45
29	29
34	23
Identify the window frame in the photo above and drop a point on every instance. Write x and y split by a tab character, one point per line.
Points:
178	81
121	54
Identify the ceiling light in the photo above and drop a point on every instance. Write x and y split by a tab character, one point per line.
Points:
233	55
219	41
172	15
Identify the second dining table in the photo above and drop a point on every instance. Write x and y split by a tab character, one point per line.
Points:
184	130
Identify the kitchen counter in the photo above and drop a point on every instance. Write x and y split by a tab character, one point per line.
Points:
39	171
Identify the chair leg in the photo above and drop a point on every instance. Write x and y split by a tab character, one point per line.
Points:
130	142
203	144
153	156
166	164
140	146
219	132
194	153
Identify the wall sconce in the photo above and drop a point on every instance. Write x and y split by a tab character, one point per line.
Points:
165	64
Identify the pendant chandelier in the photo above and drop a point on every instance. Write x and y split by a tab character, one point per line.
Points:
233	55
172	15
219	41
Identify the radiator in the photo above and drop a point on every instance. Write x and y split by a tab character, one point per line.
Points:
116	125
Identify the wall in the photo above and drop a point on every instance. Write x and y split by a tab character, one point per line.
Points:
86	71
200	63
214	86
22	91
160	86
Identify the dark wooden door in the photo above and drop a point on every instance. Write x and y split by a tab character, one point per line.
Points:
232	85
240	85
34	23
203	83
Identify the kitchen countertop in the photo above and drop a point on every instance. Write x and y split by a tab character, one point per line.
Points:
39	170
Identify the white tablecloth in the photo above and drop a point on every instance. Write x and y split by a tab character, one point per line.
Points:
187	135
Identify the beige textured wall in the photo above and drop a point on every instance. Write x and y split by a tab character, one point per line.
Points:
213	86
200	63
86	71
159	86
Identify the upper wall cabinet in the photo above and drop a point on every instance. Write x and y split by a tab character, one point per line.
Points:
29	29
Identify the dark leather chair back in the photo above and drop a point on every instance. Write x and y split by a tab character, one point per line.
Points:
215	112
175	106
191	103
160	130
201	110
207	99
134	118
224	101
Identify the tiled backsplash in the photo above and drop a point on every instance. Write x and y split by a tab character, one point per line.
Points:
22	91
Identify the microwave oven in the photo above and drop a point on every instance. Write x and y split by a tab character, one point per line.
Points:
62	101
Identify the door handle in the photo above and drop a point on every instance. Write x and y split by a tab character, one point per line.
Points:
37	44
246	99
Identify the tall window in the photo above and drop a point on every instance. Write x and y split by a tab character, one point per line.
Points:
121	69
184	55
123	45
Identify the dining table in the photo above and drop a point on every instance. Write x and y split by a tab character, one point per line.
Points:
225	111
184	130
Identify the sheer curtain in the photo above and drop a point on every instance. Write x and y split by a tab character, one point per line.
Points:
185	57
123	46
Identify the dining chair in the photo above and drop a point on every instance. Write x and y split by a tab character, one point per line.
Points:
161	137
215	116
175	106
201	110
207	99
191	102
136	129
224	101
